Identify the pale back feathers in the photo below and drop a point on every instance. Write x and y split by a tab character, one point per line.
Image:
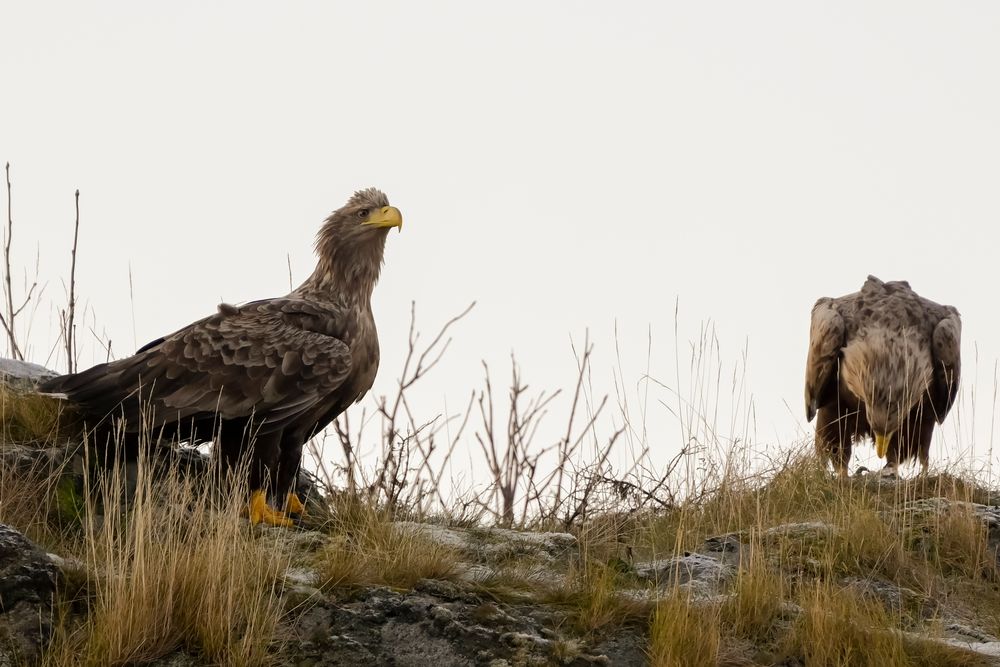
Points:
886	346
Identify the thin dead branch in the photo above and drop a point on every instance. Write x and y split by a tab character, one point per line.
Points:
12	311
410	465
70	323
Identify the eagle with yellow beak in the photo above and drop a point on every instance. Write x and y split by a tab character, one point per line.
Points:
884	363
261	378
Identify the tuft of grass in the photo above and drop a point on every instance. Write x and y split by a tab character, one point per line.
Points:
955	542
682	632
28	417
175	567
798	490
754	608
806	536
865	544
841	627
367	547
37	498
854	541
592	593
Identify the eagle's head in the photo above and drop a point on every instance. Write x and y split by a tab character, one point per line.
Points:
351	242
365	219
889	372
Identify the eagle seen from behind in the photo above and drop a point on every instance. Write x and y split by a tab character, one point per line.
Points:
884	363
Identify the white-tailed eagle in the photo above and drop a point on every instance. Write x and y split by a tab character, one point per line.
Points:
266	375
883	362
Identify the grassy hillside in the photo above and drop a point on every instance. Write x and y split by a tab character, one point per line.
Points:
794	566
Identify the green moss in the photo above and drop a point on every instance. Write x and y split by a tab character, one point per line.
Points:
70	504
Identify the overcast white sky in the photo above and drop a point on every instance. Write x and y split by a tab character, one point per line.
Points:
569	165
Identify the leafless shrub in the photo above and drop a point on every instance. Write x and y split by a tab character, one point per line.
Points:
528	482
410	468
67	317
12	310
513	460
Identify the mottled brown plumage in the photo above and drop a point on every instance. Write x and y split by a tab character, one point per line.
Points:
268	374
883	362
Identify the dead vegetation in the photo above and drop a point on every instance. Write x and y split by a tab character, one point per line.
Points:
367	547
171	564
168	565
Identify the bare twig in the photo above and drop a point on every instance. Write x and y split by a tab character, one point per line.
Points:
406	473
70	324
517	493
104	342
8	321
131	300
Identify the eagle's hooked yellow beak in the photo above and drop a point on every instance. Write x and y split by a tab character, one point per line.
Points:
387	216
882	444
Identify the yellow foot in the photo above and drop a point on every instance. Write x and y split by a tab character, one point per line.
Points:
261	512
293	505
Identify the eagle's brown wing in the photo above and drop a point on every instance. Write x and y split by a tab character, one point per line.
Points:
826	338
946	351
275	359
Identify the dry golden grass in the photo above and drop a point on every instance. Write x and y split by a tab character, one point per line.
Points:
28	417
368	548
754	608
25	497
592	594
836	531
840	627
954	542
682	632
175	567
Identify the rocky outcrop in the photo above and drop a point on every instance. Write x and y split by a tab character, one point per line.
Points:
479	617
27	585
435	624
23	375
702	574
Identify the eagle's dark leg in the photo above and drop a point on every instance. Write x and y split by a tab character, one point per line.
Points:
231	443
289	459
266	448
925	434
244	446
833	437
912	440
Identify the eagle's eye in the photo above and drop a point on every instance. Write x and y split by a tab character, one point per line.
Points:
363	213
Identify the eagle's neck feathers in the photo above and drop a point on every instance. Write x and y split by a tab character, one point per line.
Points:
347	270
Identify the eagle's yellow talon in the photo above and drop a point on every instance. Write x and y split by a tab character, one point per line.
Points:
261	512
294	505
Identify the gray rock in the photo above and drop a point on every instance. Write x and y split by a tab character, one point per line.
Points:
33	459
989	650
436	624
804	530
988	514
23	375
722	544
967	633
180	659
898	599
703	574
497	544
27	585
